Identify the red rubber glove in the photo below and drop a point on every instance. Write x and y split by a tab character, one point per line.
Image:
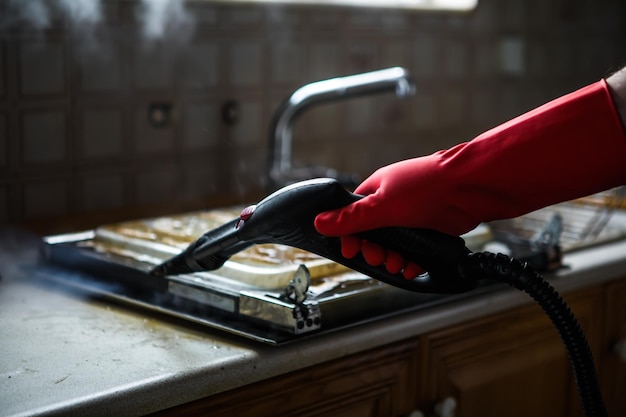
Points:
568	148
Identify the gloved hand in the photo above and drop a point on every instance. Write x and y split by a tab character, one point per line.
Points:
568	148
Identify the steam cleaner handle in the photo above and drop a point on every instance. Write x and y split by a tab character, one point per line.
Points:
440	254
288	217
431	249
434	251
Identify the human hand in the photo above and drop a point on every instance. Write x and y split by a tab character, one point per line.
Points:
411	193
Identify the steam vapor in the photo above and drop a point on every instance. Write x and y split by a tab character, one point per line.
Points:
158	19
40	14
162	19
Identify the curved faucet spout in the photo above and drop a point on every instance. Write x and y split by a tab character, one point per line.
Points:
281	171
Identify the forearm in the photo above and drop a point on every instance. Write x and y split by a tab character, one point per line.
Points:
617	87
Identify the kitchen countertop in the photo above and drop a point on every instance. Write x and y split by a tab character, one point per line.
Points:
64	352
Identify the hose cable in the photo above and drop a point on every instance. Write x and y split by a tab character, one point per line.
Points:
519	275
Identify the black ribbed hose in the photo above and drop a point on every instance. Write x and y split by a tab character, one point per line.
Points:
519	275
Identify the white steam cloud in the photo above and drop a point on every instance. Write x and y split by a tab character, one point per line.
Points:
82	12
159	20
164	19
40	14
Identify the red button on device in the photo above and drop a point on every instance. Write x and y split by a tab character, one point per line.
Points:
245	215
247	212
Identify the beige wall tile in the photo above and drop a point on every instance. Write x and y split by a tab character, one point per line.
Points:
3	70
245	63
425	55
102	191
101	135
200	64
200	124
153	67
157	184
456	58
44	136
37	78
325	60
395	53
426	111
100	68
4	205
45	198
202	178
454	108
4	147
360	115
286	61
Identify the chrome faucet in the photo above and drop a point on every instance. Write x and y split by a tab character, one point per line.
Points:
281	171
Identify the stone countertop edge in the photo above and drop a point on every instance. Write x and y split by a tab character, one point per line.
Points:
214	362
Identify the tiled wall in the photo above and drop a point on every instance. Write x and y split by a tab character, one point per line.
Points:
75	94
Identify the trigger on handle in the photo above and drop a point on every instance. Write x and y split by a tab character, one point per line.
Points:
442	256
429	249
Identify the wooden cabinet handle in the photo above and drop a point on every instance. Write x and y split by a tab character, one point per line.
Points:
446	407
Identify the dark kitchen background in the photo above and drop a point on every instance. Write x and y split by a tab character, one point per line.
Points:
118	109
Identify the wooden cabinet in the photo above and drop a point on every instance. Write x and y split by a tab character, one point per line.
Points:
509	364
380	382
512	363
613	360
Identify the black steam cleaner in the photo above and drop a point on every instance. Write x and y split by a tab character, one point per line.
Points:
286	217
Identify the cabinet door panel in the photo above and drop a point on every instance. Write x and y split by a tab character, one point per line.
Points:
512	363
492	386
614	369
381	382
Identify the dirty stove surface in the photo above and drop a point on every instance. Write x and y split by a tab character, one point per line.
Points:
270	293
